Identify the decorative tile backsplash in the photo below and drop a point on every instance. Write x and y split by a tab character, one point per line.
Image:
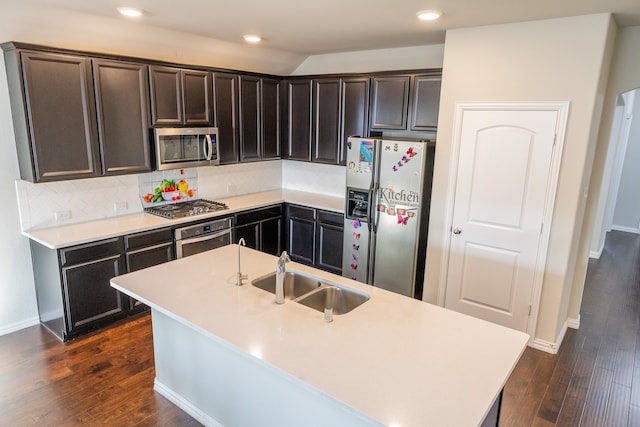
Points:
67	202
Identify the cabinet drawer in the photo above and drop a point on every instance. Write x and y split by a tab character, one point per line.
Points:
150	256
301	212
256	215
333	218
91	251
147	238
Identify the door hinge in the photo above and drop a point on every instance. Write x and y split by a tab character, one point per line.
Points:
529	311
541	227
555	138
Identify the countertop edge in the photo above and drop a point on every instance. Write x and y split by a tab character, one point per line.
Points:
63	236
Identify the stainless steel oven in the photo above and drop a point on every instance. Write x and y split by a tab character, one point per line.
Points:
203	236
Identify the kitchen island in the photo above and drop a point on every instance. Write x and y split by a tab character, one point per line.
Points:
229	356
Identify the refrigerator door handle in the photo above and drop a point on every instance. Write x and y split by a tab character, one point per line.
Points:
372	183
377	193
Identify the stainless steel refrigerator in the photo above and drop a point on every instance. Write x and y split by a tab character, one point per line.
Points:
387	213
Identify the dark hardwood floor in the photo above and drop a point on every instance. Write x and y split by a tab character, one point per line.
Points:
594	380
103	379
107	378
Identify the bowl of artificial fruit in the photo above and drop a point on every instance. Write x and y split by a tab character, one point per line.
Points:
168	190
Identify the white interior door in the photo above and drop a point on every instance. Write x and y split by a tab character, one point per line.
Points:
503	177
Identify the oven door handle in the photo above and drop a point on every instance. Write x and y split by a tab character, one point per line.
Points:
205	237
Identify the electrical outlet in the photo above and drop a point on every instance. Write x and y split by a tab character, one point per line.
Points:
120	206
62	215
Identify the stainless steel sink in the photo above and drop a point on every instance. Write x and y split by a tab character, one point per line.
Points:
313	292
295	284
341	300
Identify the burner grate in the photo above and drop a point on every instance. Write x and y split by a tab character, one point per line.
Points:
188	208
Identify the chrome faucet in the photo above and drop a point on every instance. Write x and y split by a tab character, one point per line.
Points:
240	276
280	273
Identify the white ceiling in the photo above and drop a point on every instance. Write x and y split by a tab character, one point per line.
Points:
329	26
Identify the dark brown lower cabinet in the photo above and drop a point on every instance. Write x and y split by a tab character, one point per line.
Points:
314	237
73	286
90	300
261	229
144	250
329	230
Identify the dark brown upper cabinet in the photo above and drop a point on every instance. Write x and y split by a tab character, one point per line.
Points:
405	102
122	108
389	102
354	120
270	118
225	87
180	97
250	107
54	118
297	139
425	102
326	120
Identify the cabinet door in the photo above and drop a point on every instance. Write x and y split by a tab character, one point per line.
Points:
196	87
249	118
89	298
250	233
122	106
425	102
389	103
329	248
330	227
61	114
143	258
270	100
225	88
298	140
271	236
326	120
166	96
355	111
301	242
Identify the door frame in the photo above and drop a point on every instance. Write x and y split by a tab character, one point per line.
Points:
562	109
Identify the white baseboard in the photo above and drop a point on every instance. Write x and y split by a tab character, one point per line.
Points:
547	346
13	327
596	254
626	229
574	323
185	405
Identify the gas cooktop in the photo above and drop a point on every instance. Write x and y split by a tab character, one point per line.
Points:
188	208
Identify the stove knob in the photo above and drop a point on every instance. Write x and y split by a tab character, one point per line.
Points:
190	212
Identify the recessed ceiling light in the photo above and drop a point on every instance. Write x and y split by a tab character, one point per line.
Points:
130	11
252	38
429	15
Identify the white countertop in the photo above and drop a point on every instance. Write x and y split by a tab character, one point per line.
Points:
395	359
85	232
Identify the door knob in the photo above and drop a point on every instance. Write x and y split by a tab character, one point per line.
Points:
457	230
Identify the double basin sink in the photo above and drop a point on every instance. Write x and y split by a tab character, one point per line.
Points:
314	292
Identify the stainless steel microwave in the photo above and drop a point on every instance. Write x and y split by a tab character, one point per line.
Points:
178	148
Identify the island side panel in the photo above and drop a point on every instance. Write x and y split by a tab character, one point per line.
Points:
222	386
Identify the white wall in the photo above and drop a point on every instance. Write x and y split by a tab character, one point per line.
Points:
417	57
624	76
626	215
18	307
550	60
